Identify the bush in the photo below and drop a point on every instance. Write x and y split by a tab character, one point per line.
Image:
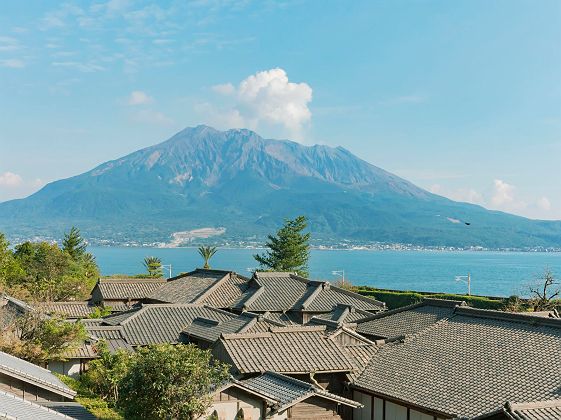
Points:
397	299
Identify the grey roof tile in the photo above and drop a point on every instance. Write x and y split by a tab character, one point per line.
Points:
187	288
408	319
293	350
470	363
279	291
162	323
287	391
13	407
71	310
70	409
28	372
127	288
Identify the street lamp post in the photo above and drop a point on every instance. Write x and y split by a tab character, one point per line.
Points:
465	279
168	266
340	273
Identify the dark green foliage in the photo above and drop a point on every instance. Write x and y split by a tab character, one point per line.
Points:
207	252
105	374
10	269
170	382
51	274
153	266
396	299
289	249
90	400
74	244
100	311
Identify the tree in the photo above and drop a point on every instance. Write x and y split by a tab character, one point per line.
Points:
544	292
74	244
289	250
153	266
37	338
105	373
51	274
10	269
207	252
170	382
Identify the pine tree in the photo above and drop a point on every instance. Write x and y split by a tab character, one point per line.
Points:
153	266
207	253
74	244
289	249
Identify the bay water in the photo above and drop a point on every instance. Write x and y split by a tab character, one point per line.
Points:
492	273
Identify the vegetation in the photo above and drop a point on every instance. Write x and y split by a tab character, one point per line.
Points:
289	249
90	400
106	373
207	252
181	378
544	292
153	267
158	382
396	299
42	271
37	338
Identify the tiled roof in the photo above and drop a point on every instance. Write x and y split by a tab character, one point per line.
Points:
279	291
211	329
328	297
112	335
161	323
470	363
187	288
225	292
36	375
273	292
284	349
70	409
538	410
13	407
72	310
408	319
287	391
126	288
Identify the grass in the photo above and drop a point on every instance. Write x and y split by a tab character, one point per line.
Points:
90	401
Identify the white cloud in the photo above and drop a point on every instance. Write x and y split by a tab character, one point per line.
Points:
89	67
503	195
9	44
10	180
152	117
544	204
12	63
225	89
267	98
139	97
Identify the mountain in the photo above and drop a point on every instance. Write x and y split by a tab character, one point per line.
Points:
204	178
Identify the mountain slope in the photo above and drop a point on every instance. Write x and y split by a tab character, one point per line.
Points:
235	179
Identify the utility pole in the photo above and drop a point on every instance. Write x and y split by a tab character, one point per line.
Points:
465	279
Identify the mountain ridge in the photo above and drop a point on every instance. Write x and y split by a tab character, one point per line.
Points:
202	177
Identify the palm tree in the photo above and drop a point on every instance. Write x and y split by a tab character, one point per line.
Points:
207	252
153	266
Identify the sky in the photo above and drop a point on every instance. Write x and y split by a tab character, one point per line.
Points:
463	98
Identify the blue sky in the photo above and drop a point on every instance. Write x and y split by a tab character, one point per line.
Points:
461	97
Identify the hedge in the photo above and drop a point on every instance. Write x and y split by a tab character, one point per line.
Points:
396	299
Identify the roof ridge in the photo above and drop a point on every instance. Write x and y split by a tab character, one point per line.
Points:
254	296
297	328
312	296
205	293
534	404
389	312
131	280
507	316
358	296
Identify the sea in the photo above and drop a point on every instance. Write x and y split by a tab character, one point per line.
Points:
491	273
